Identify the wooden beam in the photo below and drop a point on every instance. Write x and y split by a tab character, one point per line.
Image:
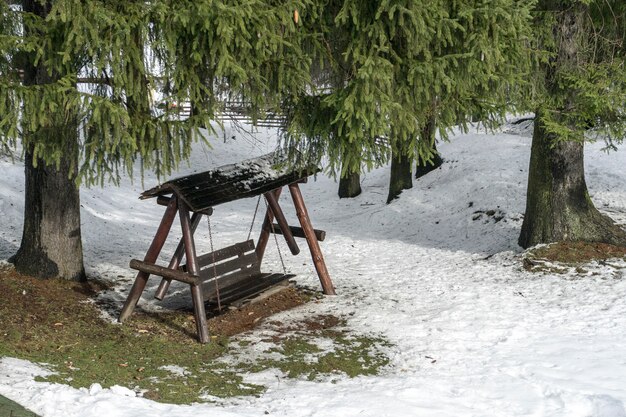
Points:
151	256
296	231
314	247
264	237
176	259
164	200
164	272
282	221
192	266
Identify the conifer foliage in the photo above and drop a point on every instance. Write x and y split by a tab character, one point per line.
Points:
123	68
90	87
406	63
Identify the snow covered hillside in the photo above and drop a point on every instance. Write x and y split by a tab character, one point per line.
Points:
436	272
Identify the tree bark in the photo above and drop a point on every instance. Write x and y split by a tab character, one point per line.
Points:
428	136
51	241
349	185
401	178
558	206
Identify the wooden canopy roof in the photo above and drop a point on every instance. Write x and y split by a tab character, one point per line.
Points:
244	179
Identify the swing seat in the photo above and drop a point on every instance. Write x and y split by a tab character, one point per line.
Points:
231	274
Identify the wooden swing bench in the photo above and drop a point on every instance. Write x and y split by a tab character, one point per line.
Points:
231	274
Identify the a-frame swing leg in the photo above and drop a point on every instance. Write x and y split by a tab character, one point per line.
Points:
272	203
193	269
176	259
151	256
309	233
264	237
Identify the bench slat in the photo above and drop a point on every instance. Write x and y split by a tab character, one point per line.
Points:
243	262
250	287
225	253
227	280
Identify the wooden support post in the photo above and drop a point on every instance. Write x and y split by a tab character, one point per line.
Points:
151	256
193	269
316	252
282	221
264	237
176	258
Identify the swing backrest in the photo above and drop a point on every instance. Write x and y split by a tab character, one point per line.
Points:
227	266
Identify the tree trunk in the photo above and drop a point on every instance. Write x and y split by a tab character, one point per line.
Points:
424	168
401	178
428	136
558	206
349	185
51	241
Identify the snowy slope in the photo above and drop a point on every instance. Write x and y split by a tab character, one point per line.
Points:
437	272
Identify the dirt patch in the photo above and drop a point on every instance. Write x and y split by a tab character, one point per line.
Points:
578	252
31	303
561	257
317	323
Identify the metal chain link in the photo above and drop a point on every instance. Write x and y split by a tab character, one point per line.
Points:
217	287
254	217
280	254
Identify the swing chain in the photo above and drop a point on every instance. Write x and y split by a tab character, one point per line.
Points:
217	287
280	253
256	210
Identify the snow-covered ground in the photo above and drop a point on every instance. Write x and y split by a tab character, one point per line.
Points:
472	333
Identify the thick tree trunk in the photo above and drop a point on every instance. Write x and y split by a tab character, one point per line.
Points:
428	135
51	241
349	185
424	168
401	178
558	207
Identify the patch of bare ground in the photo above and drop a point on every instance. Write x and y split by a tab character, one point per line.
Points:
32	302
570	253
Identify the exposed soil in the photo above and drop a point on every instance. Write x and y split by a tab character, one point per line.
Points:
37	300
575	252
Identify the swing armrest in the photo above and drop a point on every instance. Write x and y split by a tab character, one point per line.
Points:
164	272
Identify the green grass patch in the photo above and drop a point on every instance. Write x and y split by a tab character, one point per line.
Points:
317	354
156	355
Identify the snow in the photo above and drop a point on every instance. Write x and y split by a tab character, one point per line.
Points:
437	273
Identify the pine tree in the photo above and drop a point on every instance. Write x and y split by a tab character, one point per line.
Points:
583	87
76	84
409	63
